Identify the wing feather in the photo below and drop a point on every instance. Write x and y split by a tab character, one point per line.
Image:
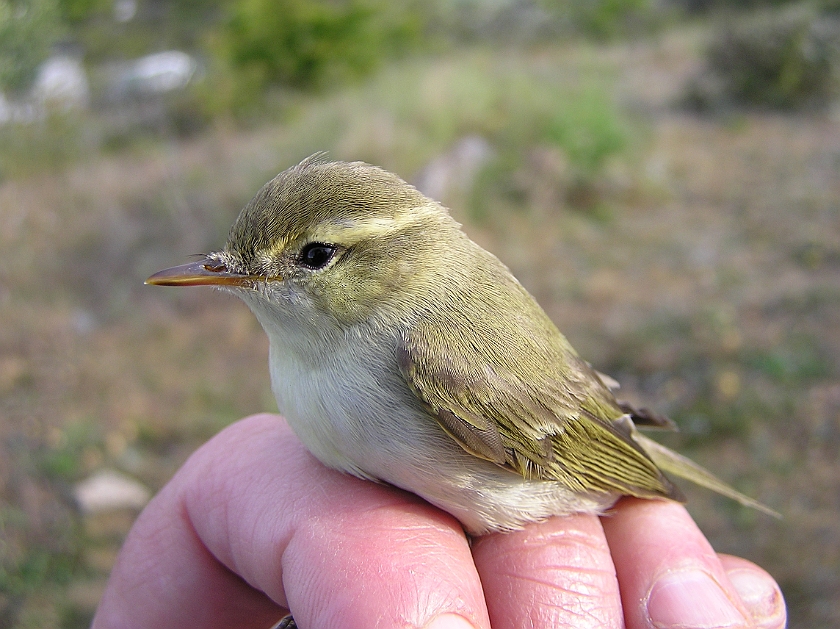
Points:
516	393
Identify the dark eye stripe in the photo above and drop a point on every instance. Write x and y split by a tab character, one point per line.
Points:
316	255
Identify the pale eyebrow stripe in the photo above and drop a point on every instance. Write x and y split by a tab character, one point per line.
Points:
355	230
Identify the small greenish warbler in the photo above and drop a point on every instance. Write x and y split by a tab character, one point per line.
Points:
401	351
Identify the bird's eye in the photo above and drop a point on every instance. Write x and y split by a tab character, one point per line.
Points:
316	255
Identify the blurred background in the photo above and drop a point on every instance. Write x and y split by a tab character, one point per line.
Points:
663	175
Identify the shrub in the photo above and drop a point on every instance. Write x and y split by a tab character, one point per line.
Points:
28	29
589	130
786	60
312	43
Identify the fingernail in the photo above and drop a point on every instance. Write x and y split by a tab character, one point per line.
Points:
448	621
761	597
691	599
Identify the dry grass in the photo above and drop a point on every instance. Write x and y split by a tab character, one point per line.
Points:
708	282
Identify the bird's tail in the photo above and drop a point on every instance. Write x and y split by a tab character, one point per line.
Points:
677	465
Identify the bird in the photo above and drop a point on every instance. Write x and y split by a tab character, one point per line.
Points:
402	352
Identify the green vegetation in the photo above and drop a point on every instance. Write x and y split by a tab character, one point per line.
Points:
314	44
60	139
604	19
38	553
28	28
517	106
777	59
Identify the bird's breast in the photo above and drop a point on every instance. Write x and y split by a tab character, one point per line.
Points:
349	406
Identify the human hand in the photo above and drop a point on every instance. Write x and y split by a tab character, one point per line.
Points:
253	525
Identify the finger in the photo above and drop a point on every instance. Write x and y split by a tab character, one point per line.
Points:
166	577
268	519
556	573
759	592
668	573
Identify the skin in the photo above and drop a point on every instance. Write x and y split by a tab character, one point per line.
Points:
253	525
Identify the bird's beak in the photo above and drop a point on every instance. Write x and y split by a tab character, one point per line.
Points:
204	273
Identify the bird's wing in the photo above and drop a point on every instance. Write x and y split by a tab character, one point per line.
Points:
540	412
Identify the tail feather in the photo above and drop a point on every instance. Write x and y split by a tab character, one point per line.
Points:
672	463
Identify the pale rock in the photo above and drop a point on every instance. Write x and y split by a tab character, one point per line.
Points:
108	490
